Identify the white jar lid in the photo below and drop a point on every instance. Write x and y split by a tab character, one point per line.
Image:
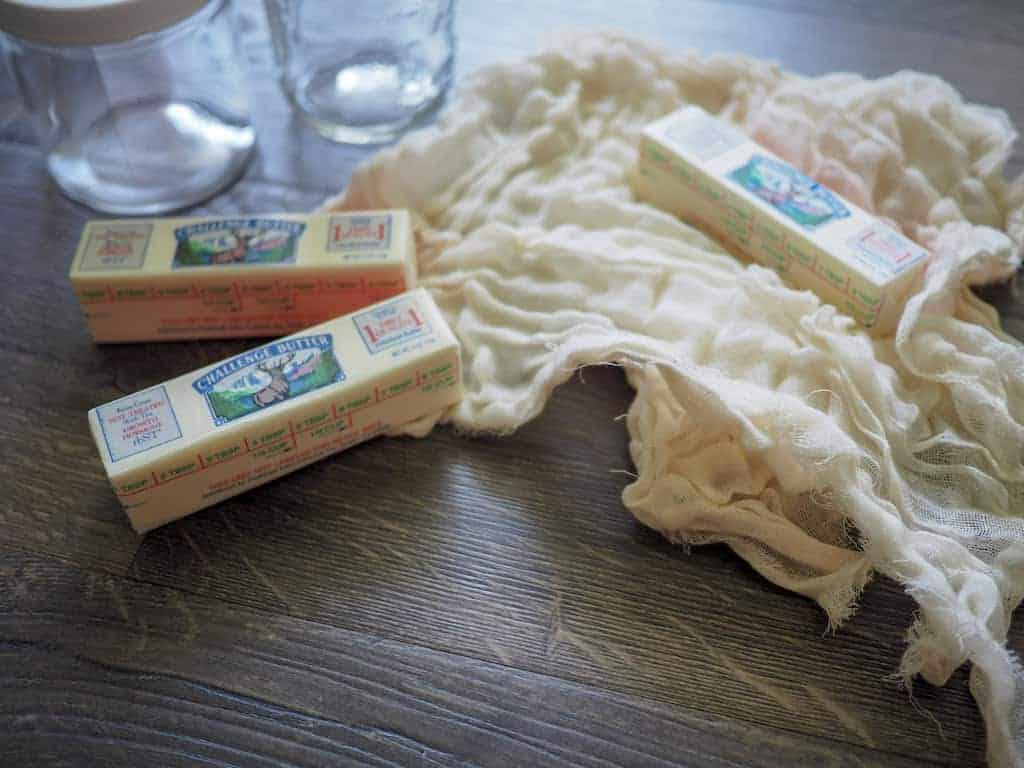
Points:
90	22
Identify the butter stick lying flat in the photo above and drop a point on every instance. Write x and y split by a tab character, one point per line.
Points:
180	446
709	173
237	276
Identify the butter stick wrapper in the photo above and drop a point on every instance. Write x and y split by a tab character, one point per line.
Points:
183	445
237	276
709	173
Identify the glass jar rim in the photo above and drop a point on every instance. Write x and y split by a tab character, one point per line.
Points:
81	23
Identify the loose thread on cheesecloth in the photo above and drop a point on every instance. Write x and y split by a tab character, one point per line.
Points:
535	249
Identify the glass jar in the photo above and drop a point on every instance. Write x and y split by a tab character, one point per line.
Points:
139	105
363	71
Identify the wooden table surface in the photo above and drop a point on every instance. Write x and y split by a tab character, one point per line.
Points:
446	601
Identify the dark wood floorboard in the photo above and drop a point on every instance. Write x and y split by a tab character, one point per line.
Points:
448	601
131	674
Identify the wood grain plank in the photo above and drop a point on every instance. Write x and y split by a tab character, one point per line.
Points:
518	551
50	501
1000	21
1006	298
100	670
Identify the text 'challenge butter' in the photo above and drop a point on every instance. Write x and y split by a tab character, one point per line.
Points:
180	446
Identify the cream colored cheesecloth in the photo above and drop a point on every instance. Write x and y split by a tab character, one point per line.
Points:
763	418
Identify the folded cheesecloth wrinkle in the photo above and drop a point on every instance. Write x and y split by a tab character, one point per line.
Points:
763	418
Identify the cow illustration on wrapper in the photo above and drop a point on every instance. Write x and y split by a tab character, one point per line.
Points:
266	376
236	242
790	192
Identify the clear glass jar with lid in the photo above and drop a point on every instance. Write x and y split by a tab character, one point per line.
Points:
139	105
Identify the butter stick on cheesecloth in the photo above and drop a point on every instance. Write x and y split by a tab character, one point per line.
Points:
763	418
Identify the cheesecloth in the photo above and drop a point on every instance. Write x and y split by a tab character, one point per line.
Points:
763	418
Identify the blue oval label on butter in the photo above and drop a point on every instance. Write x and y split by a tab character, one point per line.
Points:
790	192
227	242
269	375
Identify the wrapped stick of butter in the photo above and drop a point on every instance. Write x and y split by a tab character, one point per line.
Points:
709	173
183	445
237	276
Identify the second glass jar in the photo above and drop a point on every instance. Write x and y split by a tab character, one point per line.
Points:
363	71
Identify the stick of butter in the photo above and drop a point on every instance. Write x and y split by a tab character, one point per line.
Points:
265	275
708	172
180	446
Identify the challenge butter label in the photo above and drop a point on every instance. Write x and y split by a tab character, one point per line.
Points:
790	192
226	242
269	375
